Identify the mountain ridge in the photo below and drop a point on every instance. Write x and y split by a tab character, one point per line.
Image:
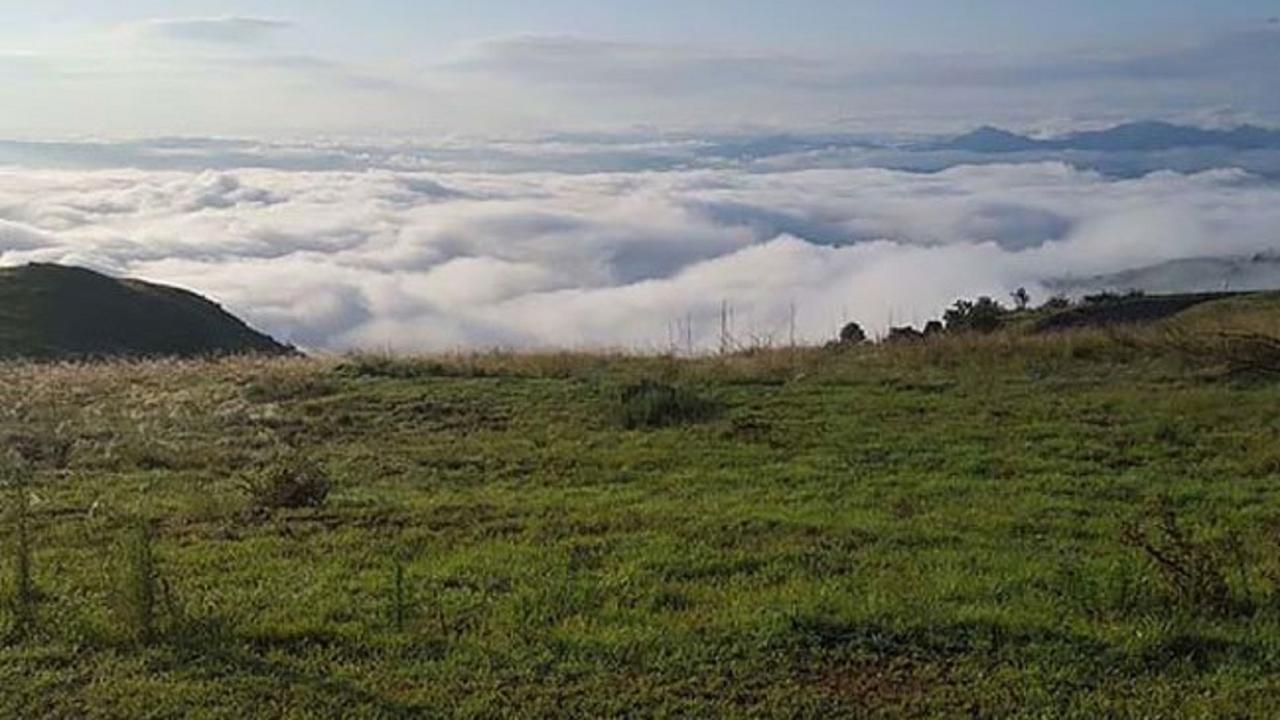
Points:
58	312
1142	136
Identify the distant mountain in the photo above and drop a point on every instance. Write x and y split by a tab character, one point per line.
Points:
1130	137
58	312
989	139
1189	275
765	146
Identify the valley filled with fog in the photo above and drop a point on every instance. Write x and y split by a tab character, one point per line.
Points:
626	241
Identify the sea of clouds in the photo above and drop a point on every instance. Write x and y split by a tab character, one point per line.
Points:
576	242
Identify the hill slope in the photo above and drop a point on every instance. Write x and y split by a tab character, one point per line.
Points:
57	312
959	528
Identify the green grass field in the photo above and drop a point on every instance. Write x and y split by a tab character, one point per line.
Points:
942	530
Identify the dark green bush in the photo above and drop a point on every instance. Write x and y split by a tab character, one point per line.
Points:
650	404
852	334
983	315
288	480
1194	571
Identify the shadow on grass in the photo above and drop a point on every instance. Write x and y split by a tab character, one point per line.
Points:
210	650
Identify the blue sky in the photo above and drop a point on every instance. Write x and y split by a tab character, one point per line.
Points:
376	26
404	66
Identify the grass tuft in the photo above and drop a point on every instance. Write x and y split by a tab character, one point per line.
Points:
138	585
289	480
650	404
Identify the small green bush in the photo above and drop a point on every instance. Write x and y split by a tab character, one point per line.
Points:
1194	571
289	480
650	404
138	586
24	594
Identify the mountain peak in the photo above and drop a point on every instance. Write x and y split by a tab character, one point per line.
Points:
991	139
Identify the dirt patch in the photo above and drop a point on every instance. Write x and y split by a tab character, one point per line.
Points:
908	687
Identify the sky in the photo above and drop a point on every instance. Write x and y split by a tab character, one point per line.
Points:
432	175
399	67
382	27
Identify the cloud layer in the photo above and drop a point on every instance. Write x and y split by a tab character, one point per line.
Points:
250	75
228	29
426	261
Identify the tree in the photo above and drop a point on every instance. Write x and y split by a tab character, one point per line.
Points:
1021	298
1057	302
983	315
852	334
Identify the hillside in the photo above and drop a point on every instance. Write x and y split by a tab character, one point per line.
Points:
58	312
1072	525
1128	310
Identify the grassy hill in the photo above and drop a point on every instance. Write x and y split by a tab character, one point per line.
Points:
57	312
1079	524
1135	309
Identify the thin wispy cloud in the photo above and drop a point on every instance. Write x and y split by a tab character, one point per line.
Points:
234	30
527	83
691	84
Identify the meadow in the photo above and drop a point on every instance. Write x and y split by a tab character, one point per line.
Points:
1084	524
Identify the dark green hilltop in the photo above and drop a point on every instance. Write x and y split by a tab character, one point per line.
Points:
55	312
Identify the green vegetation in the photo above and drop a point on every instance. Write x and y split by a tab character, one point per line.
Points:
56	312
1077	524
287	481
649	404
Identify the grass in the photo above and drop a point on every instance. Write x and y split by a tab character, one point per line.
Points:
956	528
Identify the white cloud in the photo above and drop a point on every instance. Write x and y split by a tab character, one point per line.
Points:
230	29
615	83
254	76
429	261
15	237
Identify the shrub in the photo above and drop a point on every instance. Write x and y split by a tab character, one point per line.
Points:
1194	571
1057	302
650	404
983	315
289	480
852	334
906	334
1108	297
